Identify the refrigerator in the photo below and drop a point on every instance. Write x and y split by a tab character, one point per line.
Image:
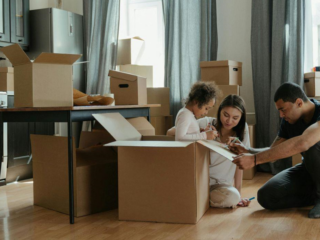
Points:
58	31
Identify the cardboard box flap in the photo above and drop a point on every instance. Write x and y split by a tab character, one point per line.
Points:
143	126
16	55
6	69
118	127
158	144
223	63
217	147
55	58
123	75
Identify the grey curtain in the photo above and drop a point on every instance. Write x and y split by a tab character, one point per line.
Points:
101	22
277	48
190	37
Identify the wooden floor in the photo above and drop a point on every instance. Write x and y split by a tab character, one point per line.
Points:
19	219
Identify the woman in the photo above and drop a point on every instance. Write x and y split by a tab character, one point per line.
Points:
226	177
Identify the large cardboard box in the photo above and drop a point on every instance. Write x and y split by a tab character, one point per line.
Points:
128	89
129	50
225	72
140	70
162	124
45	82
249	173
159	181
159	96
95	174
6	79
225	90
312	84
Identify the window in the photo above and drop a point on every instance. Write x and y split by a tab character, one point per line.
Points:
316	31
144	18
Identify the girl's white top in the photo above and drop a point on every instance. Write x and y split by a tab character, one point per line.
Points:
187	127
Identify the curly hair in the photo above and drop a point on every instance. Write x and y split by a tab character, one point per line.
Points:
202	93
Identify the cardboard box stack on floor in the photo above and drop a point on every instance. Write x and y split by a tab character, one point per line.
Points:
45	82
226	74
6	79
160	117
159	180
228	77
312	84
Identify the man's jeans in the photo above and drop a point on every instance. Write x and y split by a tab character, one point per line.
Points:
298	186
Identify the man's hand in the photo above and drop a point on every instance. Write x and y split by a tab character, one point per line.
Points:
238	148
244	161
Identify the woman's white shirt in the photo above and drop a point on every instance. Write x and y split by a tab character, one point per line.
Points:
221	169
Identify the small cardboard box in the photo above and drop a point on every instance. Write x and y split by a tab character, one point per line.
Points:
46	82
6	79
95	174
225	91
159	181
129	50
162	124
140	70
249	173
159	96
128	89
312	84
225	72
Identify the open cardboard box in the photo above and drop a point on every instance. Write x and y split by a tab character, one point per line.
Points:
95	173
159	181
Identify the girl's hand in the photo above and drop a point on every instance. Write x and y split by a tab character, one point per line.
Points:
244	202
211	135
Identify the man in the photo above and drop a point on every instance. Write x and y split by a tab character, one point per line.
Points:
299	132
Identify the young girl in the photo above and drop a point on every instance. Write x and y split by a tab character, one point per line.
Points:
201	98
230	123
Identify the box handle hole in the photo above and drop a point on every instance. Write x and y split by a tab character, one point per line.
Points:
306	80
235	69
123	85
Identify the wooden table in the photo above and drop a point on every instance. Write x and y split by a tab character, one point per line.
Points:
69	115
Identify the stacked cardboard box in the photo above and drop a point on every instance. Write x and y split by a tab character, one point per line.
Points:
6	79
226	74
312	84
160	117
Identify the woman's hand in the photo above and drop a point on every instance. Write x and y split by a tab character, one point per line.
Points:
236	146
244	202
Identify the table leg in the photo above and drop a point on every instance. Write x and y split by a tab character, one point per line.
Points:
70	168
148	117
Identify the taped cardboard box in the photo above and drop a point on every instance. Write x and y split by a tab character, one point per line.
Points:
225	72
162	124
149	189
249	173
312	84
159	96
6	79
128	89
45	82
140	70
225	90
129	50
95	174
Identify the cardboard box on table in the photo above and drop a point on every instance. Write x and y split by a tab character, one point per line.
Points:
249	173
140	70
312	84
224	72
225	90
95	173
128	89
159	181
6	79
45	82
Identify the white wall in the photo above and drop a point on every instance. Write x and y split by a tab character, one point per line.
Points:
234	33
75	6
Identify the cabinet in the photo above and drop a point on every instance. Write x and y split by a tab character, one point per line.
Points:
14	22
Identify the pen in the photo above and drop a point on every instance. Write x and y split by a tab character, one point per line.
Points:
251	198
